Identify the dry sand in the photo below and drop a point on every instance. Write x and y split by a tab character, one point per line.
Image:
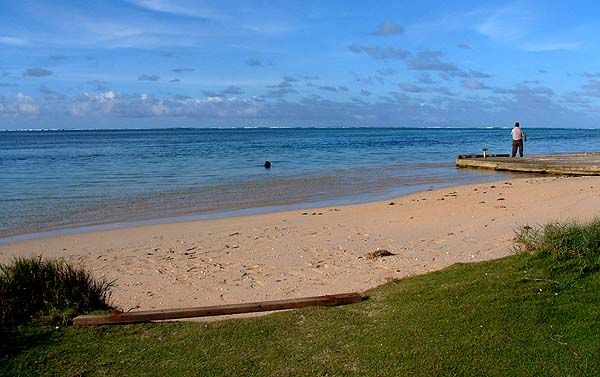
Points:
315	251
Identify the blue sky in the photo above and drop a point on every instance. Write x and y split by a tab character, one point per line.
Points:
160	63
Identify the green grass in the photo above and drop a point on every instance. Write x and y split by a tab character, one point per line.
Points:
517	316
48	292
566	246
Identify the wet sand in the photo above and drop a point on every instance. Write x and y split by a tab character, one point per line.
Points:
315	251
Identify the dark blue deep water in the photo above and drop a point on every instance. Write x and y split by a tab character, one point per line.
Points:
57	180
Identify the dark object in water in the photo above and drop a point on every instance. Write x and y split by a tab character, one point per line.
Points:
267	165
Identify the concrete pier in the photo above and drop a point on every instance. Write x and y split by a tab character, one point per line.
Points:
560	164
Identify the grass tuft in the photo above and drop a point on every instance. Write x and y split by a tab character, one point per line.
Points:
571	245
33	290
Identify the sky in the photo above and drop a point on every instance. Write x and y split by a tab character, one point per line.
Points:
182	63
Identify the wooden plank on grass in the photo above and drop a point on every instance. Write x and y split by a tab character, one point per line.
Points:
161	314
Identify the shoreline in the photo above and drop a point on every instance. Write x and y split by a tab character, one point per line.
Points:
305	252
365	198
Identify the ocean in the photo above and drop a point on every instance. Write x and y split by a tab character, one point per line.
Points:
56	182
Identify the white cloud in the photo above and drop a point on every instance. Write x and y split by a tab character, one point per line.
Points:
178	8
37	72
383	53
508	23
183	69
234	16
146	77
408	87
430	61
550	46
26	105
526	28
473	84
105	25
436	107
13	41
523	25
107	95
108	30
146	105
387	28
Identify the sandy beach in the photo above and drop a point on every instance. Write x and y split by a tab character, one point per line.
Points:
315	251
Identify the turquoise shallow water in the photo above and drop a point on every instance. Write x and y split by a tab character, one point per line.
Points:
57	180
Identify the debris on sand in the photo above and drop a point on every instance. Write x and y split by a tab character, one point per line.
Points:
379	253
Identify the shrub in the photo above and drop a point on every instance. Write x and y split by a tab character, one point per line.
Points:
48	291
573	245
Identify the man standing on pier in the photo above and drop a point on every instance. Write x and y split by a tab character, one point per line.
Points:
518	136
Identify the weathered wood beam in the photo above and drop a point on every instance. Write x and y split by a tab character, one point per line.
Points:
162	314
